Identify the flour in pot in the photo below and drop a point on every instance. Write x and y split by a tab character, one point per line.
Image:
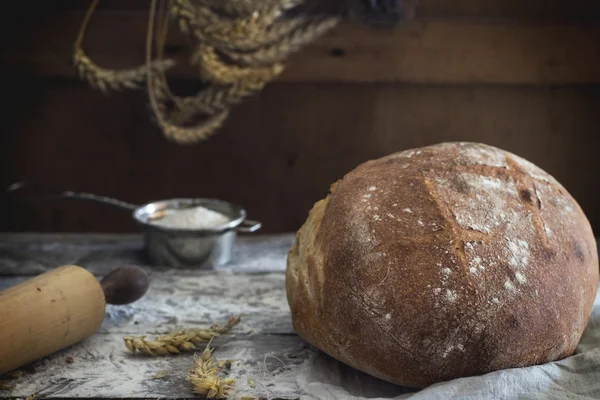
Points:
192	218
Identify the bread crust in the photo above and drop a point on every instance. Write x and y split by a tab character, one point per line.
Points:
442	262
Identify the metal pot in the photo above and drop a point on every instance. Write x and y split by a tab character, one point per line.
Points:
177	248
198	248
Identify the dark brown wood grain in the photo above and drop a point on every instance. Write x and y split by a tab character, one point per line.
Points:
425	51
578	10
474	70
280	151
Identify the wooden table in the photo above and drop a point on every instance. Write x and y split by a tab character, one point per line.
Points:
271	361
253	285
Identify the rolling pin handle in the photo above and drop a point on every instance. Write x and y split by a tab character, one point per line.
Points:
125	285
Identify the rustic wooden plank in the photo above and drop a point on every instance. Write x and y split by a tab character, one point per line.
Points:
578	10
279	367
454	52
510	9
264	345
102	367
438	51
30	254
271	360
279	152
179	300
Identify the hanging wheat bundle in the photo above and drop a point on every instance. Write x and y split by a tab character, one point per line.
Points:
239	46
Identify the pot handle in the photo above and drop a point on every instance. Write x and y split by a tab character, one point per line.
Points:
248	226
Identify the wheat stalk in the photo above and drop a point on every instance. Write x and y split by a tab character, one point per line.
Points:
178	134
173	112
215	99
105	79
289	44
174	343
188	108
176	111
165	99
197	133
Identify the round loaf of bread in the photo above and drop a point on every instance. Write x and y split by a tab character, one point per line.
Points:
442	262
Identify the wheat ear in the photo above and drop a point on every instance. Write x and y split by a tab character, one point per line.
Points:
295	39
105	79
102	78
247	7
165	98
197	133
215	99
213	69
219	30
177	342
289	44
188	108
205	379
212	30
183	13
178	134
222	97
181	111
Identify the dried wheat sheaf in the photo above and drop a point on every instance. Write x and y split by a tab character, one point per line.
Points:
238	47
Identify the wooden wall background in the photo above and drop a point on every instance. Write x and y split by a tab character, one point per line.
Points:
523	76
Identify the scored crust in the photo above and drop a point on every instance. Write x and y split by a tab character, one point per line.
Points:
446	261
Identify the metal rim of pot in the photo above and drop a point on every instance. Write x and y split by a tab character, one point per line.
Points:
239	223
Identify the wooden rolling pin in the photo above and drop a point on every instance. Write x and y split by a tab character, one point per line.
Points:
58	309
